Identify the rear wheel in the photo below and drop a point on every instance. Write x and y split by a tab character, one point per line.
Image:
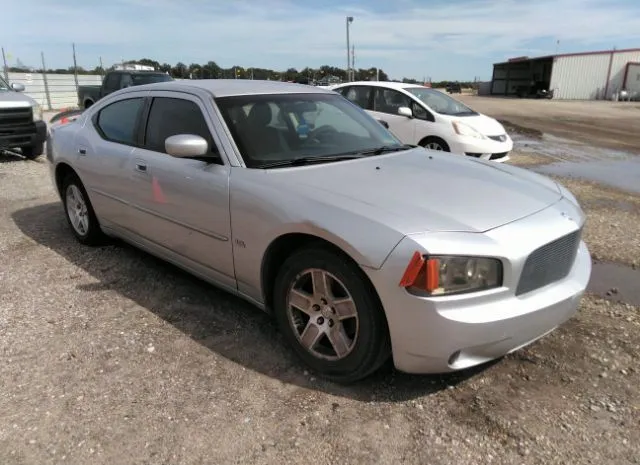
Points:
329	313
435	143
79	212
34	151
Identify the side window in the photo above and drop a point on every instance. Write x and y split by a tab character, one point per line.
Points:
388	101
171	116
126	81
359	95
418	111
112	81
118	122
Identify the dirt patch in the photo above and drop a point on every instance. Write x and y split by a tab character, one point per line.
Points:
112	356
512	127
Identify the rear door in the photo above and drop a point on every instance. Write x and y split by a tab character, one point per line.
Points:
103	151
182	205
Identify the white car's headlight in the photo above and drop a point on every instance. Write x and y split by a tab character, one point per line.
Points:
447	274
463	129
37	112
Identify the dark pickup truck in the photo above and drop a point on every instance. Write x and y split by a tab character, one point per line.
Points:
116	80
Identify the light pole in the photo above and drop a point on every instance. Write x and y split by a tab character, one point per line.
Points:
349	21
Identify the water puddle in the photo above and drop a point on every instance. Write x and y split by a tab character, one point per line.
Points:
615	282
578	160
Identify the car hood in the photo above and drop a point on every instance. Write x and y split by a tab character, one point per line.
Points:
11	99
416	191
483	124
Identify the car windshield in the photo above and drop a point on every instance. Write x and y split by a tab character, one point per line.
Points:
441	102
3	84
280	128
141	79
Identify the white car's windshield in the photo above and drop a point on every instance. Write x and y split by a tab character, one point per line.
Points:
441	102
3	84
280	128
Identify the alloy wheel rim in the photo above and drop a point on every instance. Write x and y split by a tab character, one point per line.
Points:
323	314
434	146
77	210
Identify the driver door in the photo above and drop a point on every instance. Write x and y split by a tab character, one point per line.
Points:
385	107
181	206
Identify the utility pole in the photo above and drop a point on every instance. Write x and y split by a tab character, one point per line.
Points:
6	68
353	62
75	66
349	21
101	67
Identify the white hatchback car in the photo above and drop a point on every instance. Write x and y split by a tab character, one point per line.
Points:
419	115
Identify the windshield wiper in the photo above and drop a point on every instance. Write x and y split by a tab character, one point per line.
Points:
301	161
385	149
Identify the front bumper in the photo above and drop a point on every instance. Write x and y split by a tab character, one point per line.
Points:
443	334
485	149
22	135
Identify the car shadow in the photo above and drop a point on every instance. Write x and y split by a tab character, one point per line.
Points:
225	324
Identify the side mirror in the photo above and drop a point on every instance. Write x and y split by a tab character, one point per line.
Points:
17	86
384	123
405	111
186	146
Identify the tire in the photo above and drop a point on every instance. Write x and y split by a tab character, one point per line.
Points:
89	233
34	151
433	142
363	339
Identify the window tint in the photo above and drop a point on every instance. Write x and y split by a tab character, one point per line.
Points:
117	122
112	81
359	95
388	101
126	81
172	116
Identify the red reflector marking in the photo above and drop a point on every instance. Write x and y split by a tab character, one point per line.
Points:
412	271
158	195
433	274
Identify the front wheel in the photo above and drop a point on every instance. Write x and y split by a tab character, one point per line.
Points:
34	151
435	143
79	212
329	313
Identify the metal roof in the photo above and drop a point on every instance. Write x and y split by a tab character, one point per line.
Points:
546	57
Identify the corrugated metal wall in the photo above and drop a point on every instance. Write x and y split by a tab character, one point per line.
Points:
618	69
62	87
584	77
633	79
580	76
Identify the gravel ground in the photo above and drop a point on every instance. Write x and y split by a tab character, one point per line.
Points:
112	356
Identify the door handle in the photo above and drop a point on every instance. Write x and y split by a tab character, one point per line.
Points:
82	151
141	167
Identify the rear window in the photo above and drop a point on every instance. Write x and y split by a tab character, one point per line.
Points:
141	79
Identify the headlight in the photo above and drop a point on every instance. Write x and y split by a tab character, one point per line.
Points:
465	130
446	274
37	112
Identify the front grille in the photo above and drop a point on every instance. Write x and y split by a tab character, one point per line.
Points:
549	263
15	116
500	138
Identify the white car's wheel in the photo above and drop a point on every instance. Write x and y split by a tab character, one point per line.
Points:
328	311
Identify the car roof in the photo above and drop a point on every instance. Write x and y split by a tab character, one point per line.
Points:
235	87
387	84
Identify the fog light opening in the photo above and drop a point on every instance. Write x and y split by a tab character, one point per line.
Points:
454	358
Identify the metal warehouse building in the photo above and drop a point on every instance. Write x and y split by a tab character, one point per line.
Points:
580	76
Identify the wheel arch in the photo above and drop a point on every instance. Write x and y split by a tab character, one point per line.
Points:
426	139
286	244
62	171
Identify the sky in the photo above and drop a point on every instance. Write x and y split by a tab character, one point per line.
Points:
437	39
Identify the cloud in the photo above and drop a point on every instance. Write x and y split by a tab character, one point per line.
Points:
281	33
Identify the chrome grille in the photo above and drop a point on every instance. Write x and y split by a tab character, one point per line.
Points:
549	263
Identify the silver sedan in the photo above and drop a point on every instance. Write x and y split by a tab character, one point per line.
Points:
296	200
